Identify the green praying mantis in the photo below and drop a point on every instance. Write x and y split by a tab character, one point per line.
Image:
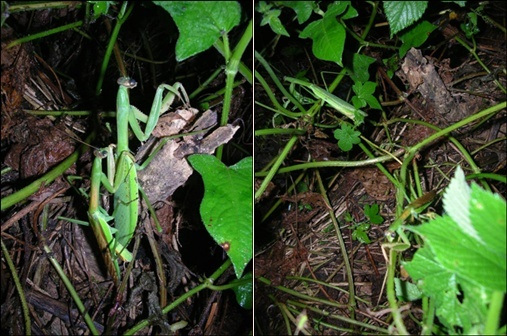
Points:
356	115
121	178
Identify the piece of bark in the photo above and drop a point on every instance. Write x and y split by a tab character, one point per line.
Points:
422	77
169	169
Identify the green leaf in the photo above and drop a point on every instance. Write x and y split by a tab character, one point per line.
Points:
457	202
406	291
346	137
463	255
464	258
303	9
372	213
443	287
271	17
201	23
360	235
364	92
100	7
415	36
360	67
328	34
244	292
391	64
488	216
470	27
226	208
401	14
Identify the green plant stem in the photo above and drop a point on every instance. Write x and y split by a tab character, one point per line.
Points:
231	69
326	284
417	179
49	177
291	312
284	312
59	113
68	284
458	145
274	131
302	296
488	144
159	264
277	82
279	108
204	84
19	288
276	165
444	132
27	6
371	21
322	164
494	313
230	285
379	165
429	315
44	34
492	176
391	296
213	96
112	41
243	69
205	284
343	249
338	317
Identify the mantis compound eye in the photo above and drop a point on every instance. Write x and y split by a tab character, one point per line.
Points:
390	234
127	82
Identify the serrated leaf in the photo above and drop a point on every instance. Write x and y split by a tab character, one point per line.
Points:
200	23
457	269
462	254
440	285
488	217
445	288
401	14
346	137
226	208
457	202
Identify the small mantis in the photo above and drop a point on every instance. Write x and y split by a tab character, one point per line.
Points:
338	104
121	179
